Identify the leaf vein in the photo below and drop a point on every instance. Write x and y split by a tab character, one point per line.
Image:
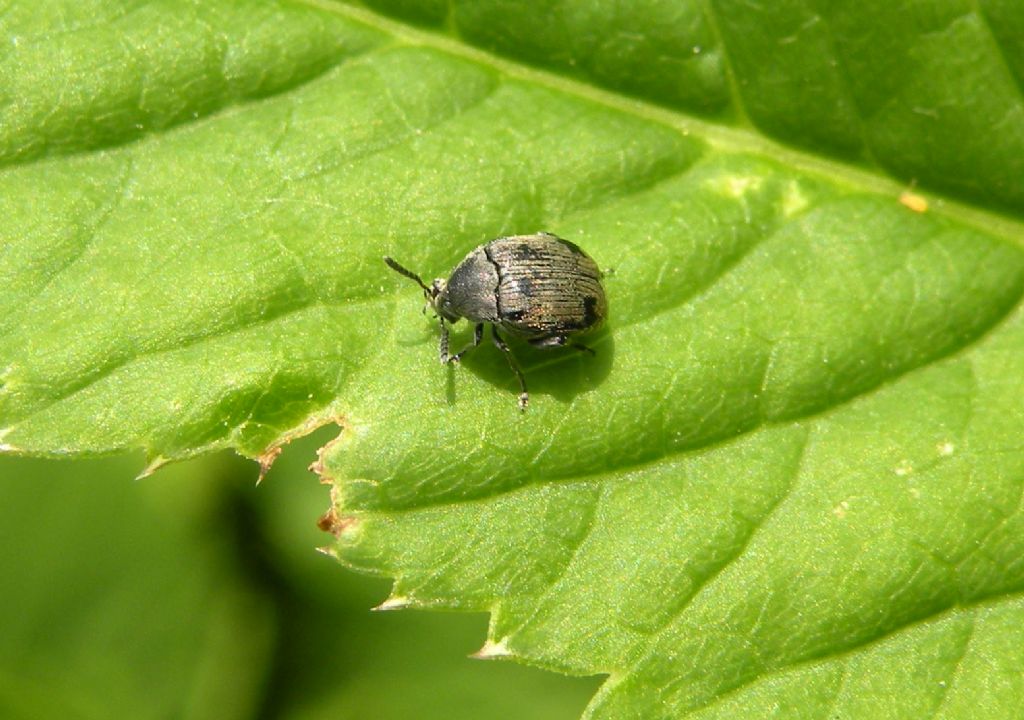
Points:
123	185
755	526
229	104
978	11
946	685
846	652
578	542
707	7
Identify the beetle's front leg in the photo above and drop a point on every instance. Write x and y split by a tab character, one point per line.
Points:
443	347
478	335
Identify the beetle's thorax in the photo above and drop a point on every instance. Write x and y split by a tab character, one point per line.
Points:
471	291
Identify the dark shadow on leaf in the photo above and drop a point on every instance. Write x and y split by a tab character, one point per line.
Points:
410	338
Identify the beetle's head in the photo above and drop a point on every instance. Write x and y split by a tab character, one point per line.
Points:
438	299
434	293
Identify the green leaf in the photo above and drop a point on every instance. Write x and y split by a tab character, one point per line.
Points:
791	479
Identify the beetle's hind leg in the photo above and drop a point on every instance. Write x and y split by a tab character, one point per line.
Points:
559	341
478	335
524	397
548	341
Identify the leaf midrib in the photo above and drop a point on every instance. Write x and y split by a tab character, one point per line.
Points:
726	138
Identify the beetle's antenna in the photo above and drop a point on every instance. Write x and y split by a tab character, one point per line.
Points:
408	273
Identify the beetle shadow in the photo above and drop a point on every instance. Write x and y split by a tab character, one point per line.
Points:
413	339
559	372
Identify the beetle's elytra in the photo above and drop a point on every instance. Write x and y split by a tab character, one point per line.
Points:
539	287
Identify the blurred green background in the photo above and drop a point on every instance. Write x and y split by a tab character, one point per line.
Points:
195	594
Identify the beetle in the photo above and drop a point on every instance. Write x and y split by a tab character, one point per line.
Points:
538	287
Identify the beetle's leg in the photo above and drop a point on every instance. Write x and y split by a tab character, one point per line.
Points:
559	341
549	341
443	347
524	397
478	335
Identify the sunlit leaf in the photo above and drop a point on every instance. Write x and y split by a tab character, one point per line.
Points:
791	478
